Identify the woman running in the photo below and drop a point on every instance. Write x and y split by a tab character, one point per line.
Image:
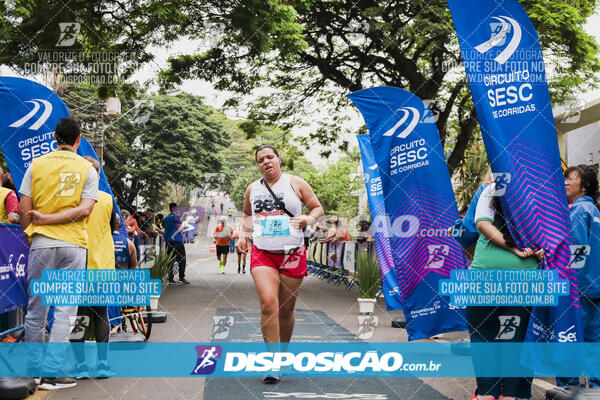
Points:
273	210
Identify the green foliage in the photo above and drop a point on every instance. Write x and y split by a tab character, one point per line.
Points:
309	53
313	50
177	144
335	186
368	275
471	174
162	263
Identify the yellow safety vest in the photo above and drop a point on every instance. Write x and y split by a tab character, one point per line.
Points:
101	250
56	185
4	192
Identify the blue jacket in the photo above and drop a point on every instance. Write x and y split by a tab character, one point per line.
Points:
585	230
465	230
171	223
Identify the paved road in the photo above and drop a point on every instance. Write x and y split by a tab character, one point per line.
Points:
324	313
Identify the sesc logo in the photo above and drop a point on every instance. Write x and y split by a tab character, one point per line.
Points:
566	336
207	359
36	107
406	113
579	254
500	29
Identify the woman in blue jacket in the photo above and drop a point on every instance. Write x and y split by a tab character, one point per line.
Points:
581	183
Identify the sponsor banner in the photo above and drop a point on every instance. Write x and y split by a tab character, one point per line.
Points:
391	289
505	69
14	252
27	123
419	207
95	287
306	359
510	287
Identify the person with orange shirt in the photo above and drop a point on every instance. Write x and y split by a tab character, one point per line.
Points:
222	235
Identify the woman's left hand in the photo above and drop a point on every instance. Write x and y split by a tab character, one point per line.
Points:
300	221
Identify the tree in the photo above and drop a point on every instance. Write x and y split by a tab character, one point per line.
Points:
307	53
240	164
172	140
336	186
316	51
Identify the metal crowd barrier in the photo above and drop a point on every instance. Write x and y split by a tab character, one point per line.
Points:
336	270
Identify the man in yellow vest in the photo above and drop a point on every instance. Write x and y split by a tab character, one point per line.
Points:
9	204
101	255
58	193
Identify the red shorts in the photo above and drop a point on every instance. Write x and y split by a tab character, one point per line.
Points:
292	265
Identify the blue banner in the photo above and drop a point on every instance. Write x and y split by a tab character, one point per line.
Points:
14	252
419	199
27	123
301	359
505	69
391	289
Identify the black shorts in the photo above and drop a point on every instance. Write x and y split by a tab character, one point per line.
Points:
222	250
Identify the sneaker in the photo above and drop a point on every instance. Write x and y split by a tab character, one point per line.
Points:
56	383
103	371
184	281
172	281
483	397
244	270
81	371
271	380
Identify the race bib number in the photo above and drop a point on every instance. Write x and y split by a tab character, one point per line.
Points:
223	234
275	227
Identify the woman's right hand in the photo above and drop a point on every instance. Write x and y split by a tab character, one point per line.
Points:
241	245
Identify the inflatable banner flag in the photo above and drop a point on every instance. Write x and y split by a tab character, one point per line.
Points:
420	202
380	219
505	70
30	114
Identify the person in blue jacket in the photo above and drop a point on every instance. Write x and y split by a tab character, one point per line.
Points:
581	183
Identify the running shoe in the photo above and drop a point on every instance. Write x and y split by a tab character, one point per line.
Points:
103	371
184	281
244	270
483	397
81	371
56	383
511	398
271	380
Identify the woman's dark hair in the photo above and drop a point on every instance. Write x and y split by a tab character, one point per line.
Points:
265	146
6	182
502	223
589	179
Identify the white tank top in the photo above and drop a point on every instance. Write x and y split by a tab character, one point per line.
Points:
271	225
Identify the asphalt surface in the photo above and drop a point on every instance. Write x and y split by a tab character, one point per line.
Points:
324	313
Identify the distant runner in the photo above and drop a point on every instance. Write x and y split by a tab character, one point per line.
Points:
222	235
